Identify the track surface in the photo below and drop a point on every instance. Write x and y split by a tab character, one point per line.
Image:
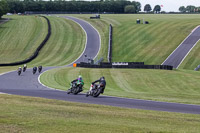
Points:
27	85
179	54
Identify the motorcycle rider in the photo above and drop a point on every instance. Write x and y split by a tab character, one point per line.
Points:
34	70
24	68
78	80
102	82
39	69
19	70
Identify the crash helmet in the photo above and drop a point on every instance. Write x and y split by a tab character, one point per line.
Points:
24	65
102	78
79	77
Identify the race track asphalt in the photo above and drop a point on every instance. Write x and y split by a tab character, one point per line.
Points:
179	54
28	85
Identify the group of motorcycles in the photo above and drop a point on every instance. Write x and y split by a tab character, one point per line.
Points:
19	71
35	69
76	87
95	89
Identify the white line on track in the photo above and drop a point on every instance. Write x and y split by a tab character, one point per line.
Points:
180	45
187	54
96	31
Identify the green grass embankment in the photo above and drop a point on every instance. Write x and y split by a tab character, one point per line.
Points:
160	85
193	59
23	114
6	69
103	29
151	43
64	46
20	37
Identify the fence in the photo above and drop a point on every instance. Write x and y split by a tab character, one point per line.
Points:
132	65
110	44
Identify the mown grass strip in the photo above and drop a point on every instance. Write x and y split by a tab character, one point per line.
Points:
151	43
159	85
36	52
20	37
25	114
66	44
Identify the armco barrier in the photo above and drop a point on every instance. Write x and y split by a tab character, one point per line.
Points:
131	65
110	44
35	54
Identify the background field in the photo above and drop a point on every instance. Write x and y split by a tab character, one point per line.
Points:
160	85
26	114
151	43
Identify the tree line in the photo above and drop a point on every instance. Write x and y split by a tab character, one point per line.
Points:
110	6
3	7
189	9
157	8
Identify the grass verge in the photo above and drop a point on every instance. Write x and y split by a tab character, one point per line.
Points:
161	85
25	114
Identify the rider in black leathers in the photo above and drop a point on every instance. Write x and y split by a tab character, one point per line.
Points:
101	81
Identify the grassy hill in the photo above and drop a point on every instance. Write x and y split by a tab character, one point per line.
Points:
193	59
26	114
151	43
20	37
66	43
159	85
27	32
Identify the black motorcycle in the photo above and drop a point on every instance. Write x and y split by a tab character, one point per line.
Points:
34	70
75	88
24	69
19	72
39	69
95	90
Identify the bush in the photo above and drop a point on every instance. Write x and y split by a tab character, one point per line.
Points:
130	9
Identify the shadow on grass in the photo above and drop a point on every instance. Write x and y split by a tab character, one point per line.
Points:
5	20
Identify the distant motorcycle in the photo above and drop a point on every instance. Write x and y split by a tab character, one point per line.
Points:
95	90
24	68
75	88
34	70
19	71
39	69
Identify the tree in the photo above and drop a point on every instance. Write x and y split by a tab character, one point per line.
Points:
137	6
157	9
3	7
147	8
190	8
182	9
130	9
